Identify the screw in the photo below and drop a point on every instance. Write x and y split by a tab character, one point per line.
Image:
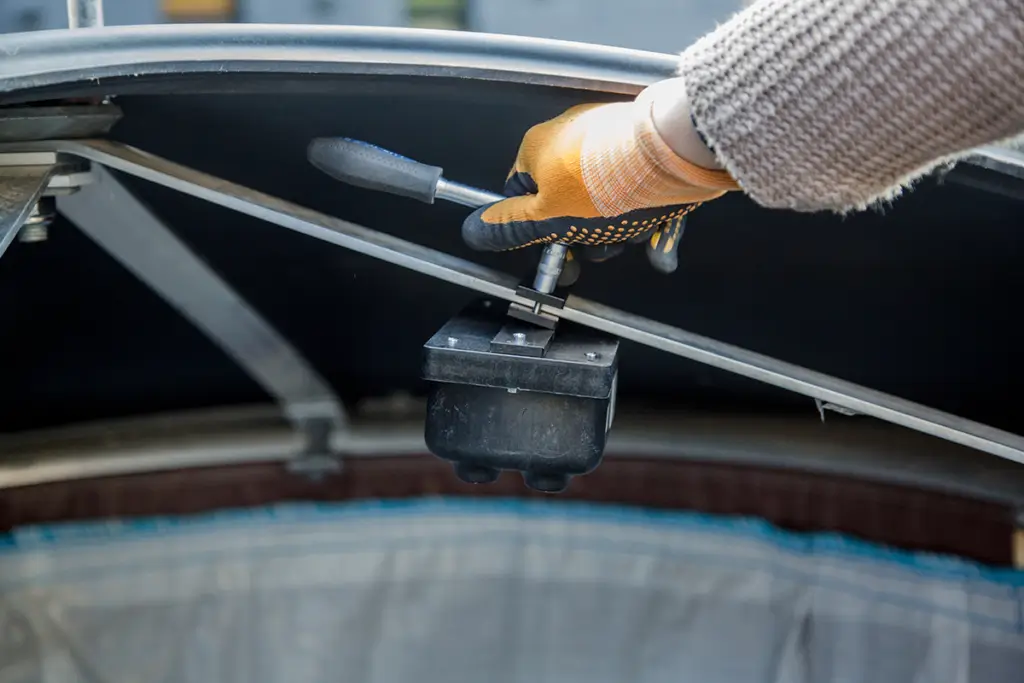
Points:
33	233
592	356
453	342
519	337
36	227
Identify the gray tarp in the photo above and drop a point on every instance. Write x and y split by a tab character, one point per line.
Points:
492	591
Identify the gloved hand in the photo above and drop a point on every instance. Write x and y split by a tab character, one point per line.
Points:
598	176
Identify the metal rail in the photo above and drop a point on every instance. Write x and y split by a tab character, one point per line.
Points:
1005	160
51	59
457	271
254	434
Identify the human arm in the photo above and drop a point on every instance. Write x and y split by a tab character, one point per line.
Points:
837	104
806	104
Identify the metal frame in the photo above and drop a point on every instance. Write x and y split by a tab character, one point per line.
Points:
48	59
1005	160
839	393
56	122
255	434
108	214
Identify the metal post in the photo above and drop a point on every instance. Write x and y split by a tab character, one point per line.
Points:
549	269
85	13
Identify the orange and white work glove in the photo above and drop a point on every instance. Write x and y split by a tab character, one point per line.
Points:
598	176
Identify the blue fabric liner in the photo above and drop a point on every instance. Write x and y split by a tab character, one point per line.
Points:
831	545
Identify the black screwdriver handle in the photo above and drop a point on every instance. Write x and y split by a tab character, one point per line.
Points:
374	168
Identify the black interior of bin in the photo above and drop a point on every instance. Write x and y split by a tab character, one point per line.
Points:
920	299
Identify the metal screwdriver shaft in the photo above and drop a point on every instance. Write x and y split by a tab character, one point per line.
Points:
85	13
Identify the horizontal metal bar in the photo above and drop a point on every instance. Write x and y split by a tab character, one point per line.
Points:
784	375
57	122
871	451
48	59
28	159
626	325
20	189
113	218
1005	160
1005	155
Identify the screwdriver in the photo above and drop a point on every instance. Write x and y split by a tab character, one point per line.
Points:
366	165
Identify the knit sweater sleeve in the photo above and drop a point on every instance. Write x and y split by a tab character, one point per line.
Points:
836	104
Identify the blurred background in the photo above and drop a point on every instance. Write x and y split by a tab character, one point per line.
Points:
641	24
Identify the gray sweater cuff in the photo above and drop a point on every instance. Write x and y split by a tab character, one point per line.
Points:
837	104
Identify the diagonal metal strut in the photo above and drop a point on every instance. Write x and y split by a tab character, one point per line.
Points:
458	271
119	223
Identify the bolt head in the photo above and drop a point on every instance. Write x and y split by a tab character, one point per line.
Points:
33	233
590	355
519	337
453	342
